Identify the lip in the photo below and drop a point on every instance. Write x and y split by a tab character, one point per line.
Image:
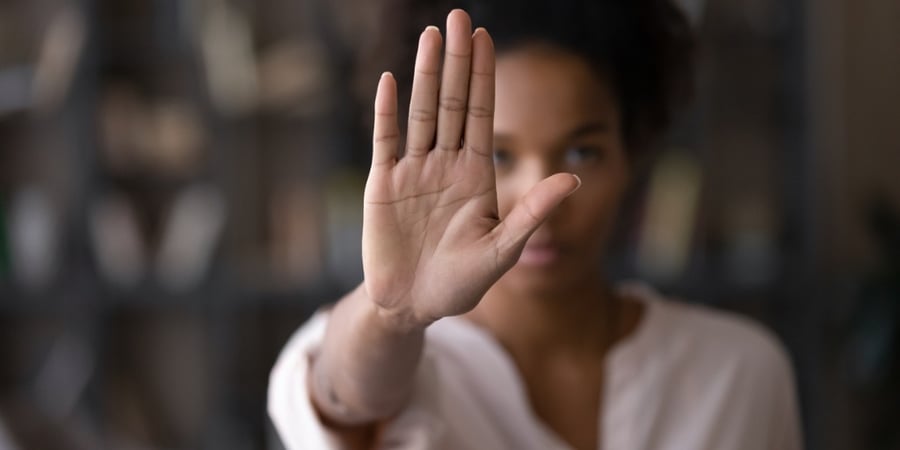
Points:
540	254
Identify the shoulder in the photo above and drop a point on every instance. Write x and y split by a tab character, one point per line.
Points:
725	332
744	365
711	337
732	371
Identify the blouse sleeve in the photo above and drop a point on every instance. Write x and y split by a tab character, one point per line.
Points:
298	424
289	404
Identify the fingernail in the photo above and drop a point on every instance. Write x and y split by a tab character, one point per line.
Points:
579	182
432	27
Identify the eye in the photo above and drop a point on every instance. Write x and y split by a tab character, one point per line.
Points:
581	155
502	158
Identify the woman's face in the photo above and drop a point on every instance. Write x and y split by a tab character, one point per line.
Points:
555	114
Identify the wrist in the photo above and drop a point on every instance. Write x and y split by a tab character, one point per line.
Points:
399	320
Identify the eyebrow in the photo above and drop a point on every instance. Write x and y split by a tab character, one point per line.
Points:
588	129
580	131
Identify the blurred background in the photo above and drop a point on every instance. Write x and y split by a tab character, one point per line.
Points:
181	181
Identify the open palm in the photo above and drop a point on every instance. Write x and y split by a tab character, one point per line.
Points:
433	241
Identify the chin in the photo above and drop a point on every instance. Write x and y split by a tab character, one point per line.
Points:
539	279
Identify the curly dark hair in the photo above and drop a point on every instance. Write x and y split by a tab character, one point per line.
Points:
644	47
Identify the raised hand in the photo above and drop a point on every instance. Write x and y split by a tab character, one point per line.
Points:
433	242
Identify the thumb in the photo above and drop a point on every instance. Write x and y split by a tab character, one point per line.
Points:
530	212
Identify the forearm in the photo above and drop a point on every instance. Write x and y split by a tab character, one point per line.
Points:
367	364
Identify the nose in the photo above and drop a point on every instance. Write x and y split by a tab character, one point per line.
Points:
513	186
533	170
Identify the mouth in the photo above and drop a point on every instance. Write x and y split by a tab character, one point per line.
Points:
540	254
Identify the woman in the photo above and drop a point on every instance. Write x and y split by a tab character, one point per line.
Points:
483	321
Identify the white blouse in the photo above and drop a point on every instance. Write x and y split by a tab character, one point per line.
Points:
688	378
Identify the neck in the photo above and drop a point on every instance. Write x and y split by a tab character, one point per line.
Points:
582	319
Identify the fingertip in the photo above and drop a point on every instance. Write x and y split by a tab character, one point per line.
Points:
458	12
482	39
430	30
577	185
386	81
385	101
459	15
430	37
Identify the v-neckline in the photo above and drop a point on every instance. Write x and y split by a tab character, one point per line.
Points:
616	352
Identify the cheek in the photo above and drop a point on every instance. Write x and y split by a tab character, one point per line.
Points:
507	194
594	208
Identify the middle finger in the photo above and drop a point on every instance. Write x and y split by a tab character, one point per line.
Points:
454	91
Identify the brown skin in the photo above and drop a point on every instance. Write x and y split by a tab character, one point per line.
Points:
443	205
559	318
555	114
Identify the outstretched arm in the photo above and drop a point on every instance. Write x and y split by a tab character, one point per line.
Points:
433	242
